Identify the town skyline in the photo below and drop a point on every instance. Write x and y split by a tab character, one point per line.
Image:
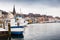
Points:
31	18
30	6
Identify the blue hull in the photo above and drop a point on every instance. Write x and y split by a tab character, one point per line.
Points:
16	32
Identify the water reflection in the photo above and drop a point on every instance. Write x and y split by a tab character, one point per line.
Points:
48	31
17	37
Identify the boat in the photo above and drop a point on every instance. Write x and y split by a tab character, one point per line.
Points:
17	25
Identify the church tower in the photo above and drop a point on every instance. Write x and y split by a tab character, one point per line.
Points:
14	12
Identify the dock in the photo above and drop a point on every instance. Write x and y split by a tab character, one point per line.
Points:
5	34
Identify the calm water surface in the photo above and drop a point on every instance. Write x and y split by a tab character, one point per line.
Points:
47	31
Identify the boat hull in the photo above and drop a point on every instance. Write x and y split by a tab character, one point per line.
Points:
21	32
17	29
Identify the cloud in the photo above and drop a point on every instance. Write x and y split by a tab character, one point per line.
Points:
54	3
52	7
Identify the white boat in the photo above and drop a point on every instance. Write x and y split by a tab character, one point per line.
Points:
17	25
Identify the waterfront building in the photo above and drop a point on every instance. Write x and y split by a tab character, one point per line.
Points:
41	19
3	14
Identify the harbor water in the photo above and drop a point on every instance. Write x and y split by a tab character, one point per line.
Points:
44	31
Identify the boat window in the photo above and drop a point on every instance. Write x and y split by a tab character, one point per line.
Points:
16	19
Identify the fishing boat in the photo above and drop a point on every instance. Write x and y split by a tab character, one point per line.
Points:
17	25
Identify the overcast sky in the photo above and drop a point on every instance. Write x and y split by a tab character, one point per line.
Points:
48	7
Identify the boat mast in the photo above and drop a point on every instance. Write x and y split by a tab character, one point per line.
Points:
20	12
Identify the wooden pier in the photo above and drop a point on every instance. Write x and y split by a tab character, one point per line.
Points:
5	35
